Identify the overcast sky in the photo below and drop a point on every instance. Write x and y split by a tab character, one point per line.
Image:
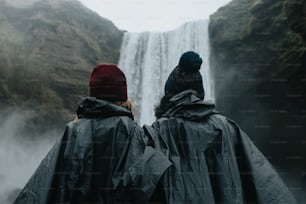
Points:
153	15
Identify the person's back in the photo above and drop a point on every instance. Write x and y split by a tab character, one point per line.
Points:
102	155
213	160
98	149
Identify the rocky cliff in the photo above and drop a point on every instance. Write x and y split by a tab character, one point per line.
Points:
48	48
258	60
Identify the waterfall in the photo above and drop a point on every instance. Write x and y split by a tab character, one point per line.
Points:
147	59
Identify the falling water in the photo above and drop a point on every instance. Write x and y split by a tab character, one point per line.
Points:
148	58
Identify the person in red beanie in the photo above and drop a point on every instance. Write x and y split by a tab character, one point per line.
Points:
108	82
102	156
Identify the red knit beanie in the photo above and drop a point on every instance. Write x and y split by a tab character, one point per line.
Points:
108	82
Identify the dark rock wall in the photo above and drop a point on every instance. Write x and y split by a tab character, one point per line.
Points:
258	60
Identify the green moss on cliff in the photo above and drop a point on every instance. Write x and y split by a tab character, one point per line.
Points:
240	18
47	53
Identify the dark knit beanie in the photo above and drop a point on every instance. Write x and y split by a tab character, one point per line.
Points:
186	76
108	82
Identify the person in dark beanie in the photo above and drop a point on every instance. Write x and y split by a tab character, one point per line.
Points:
186	75
214	161
102	156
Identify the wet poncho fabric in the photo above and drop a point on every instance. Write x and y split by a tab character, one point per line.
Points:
101	158
214	161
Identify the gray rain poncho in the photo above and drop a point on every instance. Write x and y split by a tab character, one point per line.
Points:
101	158
214	161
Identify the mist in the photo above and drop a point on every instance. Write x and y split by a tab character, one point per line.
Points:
20	152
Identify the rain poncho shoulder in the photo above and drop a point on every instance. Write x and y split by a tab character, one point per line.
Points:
101	158
214	161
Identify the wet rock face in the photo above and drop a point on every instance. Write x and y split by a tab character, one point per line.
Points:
48	48
258	60
20	3
296	13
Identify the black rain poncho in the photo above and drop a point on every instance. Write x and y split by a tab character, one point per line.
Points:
101	158
214	161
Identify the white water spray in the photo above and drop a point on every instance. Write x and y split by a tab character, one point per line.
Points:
148	58
20	154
